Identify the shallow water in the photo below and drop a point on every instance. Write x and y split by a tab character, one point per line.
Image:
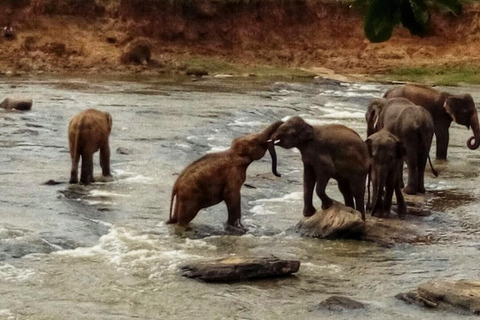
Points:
104	252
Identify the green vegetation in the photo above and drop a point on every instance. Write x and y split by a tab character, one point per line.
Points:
441	75
383	16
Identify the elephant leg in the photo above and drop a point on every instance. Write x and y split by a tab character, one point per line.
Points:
322	182
232	199
412	166
441	132
105	160
186	211
309	180
357	185
401	207
74	171
389	188
422	163
346	190
86	176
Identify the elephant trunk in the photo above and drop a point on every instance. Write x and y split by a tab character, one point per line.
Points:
474	142
273	155
267	134
379	179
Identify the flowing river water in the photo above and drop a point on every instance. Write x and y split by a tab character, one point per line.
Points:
104	252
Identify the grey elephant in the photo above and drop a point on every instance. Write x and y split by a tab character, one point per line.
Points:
414	126
218	177
387	152
328	151
444	108
16	104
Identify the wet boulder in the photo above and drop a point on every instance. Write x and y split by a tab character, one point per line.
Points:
339	303
463	296
239	268
338	221
17	104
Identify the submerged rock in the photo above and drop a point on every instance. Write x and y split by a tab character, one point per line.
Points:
339	303
17	104
446	295
239	268
338	221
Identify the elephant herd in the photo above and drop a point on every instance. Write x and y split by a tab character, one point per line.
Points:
400	128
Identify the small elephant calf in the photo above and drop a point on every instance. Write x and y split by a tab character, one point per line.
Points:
387	153
218	177
88	132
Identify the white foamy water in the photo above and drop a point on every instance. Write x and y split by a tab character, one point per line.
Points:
440	186
102	193
7	314
246	123
146	253
139	179
291	197
260	210
217	149
11	273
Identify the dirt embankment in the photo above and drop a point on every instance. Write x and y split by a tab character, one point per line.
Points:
88	36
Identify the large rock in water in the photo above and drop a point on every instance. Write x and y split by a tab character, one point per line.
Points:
17	104
239	268
338	221
450	295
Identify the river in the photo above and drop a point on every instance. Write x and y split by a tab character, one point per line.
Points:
104	252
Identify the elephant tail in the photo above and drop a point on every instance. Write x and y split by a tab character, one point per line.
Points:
435	172
172	200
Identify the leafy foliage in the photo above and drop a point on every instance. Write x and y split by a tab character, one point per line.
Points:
382	16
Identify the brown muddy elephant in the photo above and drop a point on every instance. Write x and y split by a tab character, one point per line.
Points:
444	108
88	132
414	126
328	151
218	177
387	152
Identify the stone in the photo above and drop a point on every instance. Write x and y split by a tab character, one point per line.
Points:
17	104
463	296
339	303
196	71
121	150
338	221
239	268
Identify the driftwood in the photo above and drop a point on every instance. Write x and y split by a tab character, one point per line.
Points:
17	104
239	268
447	295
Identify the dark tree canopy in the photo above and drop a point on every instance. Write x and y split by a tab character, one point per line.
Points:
382	16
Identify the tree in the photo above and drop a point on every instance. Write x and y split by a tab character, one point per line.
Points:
382	16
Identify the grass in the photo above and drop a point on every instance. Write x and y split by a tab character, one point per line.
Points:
441	75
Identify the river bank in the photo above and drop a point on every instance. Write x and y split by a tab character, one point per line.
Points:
258	38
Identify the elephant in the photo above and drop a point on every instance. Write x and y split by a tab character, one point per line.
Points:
136	52
89	132
414	126
386	152
218	177
17	104
328	151
444	108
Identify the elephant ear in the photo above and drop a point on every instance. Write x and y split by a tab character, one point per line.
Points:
401	150
109	121
306	133
460	108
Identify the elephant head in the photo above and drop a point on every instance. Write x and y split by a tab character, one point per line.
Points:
462	110
372	115
255	145
387	153
292	133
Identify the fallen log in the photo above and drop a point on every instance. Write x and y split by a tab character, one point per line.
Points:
239	268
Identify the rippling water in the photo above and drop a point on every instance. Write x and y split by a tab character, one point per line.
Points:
103	251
